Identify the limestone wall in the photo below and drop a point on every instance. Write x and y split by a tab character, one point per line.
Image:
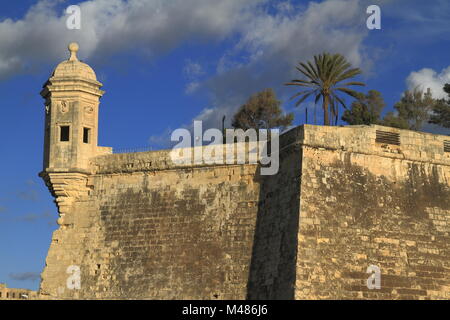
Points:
157	234
367	203
139	226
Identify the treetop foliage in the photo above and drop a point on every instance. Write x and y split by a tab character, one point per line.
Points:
262	111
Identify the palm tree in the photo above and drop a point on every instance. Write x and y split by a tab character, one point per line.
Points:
324	79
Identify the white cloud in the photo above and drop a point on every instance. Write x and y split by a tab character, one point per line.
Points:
429	78
193	69
191	87
152	27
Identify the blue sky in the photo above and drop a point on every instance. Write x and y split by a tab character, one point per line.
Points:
165	63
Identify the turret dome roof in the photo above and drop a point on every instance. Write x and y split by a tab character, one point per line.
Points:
73	67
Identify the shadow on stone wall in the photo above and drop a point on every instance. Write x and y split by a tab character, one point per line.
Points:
274	255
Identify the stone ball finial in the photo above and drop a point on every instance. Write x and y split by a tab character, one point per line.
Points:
73	67
73	48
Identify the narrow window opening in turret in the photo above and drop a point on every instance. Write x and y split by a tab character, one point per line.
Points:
86	135
65	133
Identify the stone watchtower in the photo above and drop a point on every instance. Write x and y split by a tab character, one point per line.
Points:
72	97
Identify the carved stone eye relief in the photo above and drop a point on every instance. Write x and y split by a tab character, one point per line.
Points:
89	109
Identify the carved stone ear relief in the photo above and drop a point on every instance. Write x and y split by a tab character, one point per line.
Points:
89	109
64	106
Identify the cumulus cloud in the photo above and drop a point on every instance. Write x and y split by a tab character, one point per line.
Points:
429	78
112	26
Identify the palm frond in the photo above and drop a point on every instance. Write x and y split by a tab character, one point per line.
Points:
305	81
299	84
299	94
350	92
306	71
353	83
318	95
314	70
348	74
340	101
303	98
340	69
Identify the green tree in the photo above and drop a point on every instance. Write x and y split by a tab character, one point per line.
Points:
415	107
262	111
323	81
395	121
441	110
366	109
